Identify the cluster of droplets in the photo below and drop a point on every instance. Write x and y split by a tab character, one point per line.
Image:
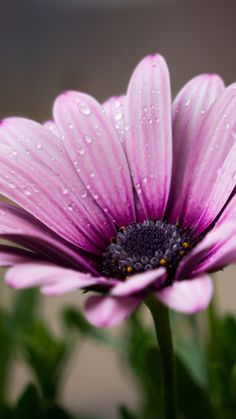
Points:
143	246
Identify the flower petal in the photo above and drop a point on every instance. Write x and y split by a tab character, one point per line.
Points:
211	167
10	256
221	253
189	111
215	239
37	173
51	126
109	311
139	282
51	279
92	141
149	140
188	296
115	109
22	228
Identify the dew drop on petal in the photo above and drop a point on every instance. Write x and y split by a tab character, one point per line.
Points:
70	207
70	125
118	116
117	104
81	151
64	191
14	152
26	192
85	110
88	139
11	185
84	194
39	146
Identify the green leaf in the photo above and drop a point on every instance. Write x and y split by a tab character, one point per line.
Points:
7	348
6	412
56	412
228	337
192	399
74	320
29	404
125	413
24	312
45	355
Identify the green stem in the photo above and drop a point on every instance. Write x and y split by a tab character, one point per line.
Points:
160	315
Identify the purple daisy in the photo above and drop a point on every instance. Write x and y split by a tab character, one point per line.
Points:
124	199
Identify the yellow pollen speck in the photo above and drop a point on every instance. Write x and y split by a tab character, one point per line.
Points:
181	253
129	269
185	245
162	262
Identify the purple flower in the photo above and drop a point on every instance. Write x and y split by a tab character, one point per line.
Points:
125	199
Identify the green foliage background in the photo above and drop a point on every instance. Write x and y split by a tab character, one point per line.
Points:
205	348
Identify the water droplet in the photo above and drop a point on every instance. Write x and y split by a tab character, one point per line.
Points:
39	146
118	116
85	110
11	185
26	192
145	109
88	186
95	196
88	139
187	103
117	104
145	179
203	111
81	150
64	191
34	188
92	174
84	194
70	207
234	175
14	152
27	151
70	125
227	126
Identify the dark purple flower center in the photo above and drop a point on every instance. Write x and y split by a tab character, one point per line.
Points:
143	246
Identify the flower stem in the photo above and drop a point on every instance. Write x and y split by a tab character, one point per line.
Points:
160	315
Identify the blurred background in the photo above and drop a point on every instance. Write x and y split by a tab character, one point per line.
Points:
48	46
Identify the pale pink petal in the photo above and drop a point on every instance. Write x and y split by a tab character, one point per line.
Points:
139	282
189	111
22	228
36	172
149	139
188	296
51	126
115	109
211	167
51	279
109	311
92	141
215	239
